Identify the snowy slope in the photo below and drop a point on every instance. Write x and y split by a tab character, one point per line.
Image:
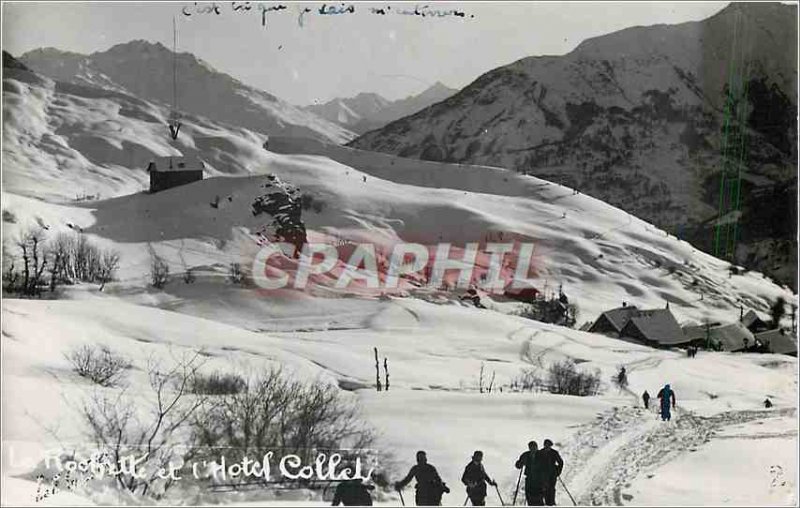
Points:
145	70
434	364
61	140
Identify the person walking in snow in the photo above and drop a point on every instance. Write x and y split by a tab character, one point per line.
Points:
646	399
665	395
549	464
533	480
475	478
430	487
622	377
352	493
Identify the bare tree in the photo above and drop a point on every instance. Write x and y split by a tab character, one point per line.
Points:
62	248
34	260
153	442
10	275
109	263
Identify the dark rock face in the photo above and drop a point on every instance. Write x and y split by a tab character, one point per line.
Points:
9	62
640	118
284	203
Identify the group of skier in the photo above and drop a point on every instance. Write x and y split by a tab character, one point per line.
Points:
666	397
541	468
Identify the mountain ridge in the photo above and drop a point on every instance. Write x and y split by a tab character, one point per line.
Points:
145	69
636	119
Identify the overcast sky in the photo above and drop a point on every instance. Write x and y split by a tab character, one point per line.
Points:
339	55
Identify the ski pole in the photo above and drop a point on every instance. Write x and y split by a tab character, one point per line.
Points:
498	495
466	499
514	503
401	497
567	491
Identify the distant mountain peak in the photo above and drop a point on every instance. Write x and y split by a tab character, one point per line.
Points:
368	110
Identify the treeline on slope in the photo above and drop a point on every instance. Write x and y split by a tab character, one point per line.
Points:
34	263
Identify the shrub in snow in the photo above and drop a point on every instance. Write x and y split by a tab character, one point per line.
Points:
188	276
278	413
8	216
235	274
526	381
159	270
217	384
552	311
99	364
564	378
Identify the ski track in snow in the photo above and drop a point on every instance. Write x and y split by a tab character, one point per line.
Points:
606	456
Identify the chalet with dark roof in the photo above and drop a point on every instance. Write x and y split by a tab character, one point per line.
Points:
656	328
611	322
173	171
778	342
730	337
754	323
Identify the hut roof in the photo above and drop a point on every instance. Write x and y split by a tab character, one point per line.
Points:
657	325
175	163
779	342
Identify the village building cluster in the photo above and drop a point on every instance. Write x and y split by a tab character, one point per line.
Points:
659	328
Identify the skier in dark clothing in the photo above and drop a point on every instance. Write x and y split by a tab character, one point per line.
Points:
767	403
475	478
646	399
665	394
533	480
430	486
549	464
352	493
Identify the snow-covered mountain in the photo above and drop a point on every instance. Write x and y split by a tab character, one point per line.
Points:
637	118
145	70
350	111
62	139
369	111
